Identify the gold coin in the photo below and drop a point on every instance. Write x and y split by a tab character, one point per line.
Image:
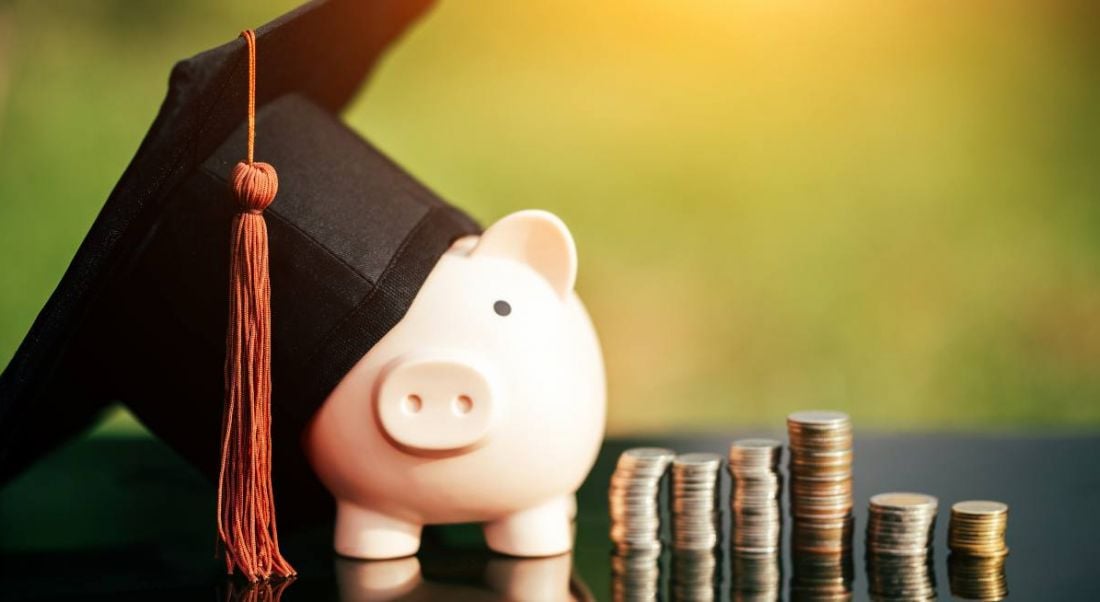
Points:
980	508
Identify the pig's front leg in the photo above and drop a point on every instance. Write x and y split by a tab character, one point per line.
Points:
364	533
544	530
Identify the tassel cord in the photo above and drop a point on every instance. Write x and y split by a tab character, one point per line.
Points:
246	502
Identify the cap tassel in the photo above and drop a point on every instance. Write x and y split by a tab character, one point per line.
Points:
246	502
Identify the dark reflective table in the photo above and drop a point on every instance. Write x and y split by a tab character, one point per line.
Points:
124	519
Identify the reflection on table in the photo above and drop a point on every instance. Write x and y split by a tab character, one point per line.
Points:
755	577
693	575
498	578
900	577
636	574
977	577
825	576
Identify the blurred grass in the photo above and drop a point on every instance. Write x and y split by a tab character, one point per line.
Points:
889	208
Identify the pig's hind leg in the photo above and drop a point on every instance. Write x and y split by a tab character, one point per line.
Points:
545	530
364	533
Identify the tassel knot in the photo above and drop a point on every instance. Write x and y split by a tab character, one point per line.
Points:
254	185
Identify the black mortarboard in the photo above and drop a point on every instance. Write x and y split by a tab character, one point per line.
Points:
141	313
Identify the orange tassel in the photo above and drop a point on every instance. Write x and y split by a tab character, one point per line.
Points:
246	502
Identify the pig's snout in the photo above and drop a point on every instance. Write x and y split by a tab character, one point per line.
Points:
437	402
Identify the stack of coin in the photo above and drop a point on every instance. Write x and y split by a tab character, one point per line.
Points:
694	501
978	528
636	575
693	573
756	577
901	524
821	481
633	498
977	577
755	490
899	545
976	536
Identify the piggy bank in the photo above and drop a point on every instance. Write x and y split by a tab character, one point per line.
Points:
484	404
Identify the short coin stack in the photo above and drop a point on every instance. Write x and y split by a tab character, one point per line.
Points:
901	524
976	537
755	492
694	501
899	545
978	528
821	481
633	499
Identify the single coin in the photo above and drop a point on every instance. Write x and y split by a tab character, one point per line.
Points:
980	508
649	453
904	501
757	444
697	461
819	418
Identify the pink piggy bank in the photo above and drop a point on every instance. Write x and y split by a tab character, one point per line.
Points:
484	404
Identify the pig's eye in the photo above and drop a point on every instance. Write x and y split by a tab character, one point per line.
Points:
502	308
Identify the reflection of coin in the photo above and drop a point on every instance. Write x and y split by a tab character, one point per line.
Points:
635	574
693	574
756	576
821	577
977	578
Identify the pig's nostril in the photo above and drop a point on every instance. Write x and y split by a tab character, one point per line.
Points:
412	404
463	404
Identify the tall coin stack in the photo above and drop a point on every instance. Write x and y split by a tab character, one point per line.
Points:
757	518
636	522
754	499
695	501
976	536
632	498
821	481
899	545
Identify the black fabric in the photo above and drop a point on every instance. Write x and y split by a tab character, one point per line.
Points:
140	315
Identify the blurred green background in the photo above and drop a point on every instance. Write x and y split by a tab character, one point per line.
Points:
891	208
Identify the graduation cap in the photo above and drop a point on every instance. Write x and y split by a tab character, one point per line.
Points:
165	305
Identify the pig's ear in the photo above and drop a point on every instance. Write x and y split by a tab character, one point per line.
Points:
537	238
